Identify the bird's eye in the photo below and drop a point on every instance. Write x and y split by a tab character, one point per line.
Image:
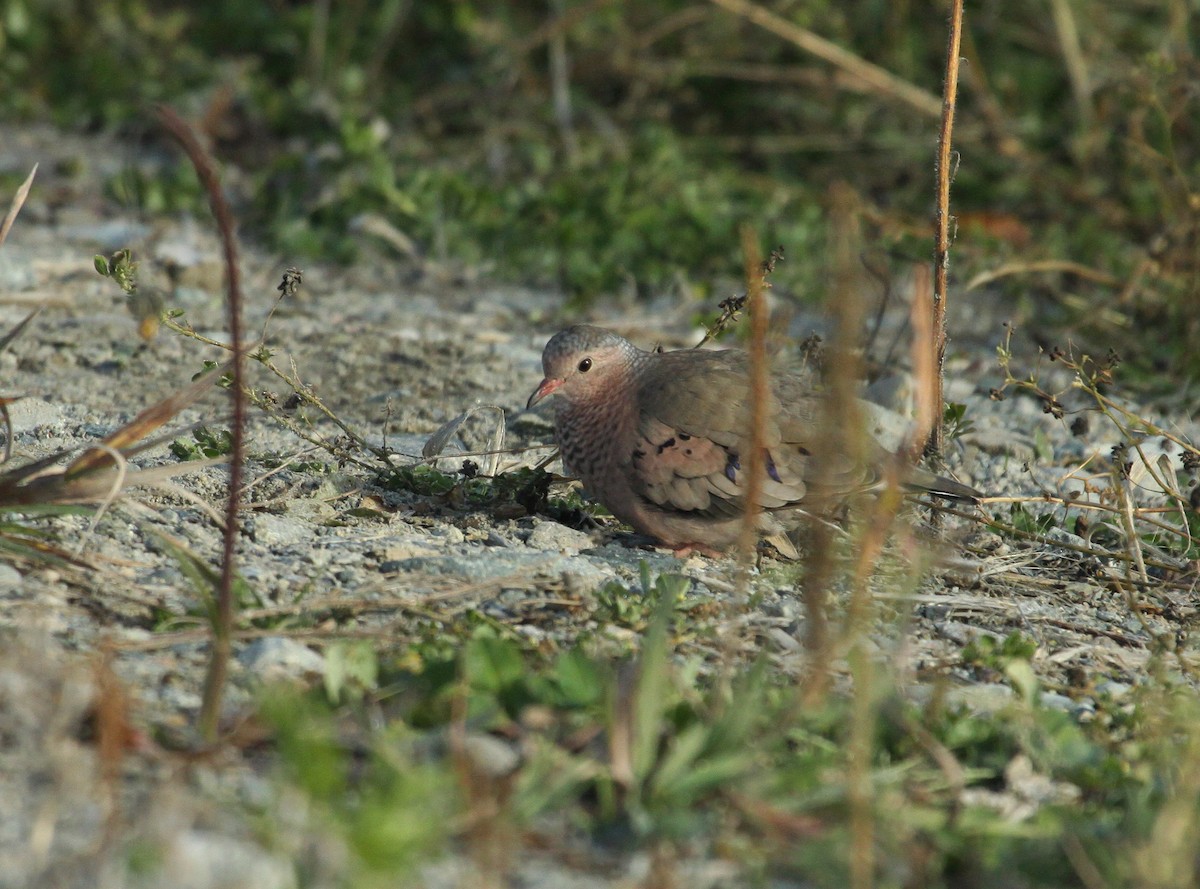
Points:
585	365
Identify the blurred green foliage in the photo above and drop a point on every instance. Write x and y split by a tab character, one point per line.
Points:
610	147
496	740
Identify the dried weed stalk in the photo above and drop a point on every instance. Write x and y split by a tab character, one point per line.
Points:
866	76
10	217
759	393
758	279
44	487
18	202
218	665
942	218
1159	546
839	447
845	442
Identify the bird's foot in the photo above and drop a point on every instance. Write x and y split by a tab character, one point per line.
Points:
687	549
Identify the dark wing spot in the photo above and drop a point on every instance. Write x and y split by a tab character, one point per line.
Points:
771	470
669	443
732	466
683	436
687	452
638	454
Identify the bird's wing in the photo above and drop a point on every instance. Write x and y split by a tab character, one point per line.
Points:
693	433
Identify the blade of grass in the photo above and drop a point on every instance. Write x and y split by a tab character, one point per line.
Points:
18	202
16	331
146	422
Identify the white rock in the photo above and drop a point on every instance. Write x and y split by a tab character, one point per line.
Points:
274	658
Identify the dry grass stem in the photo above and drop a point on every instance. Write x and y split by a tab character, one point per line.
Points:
119	475
16	331
1126	511
285	462
924	361
869	78
18	202
942	219
1172	568
760	314
443	604
843	449
845	442
1074	59
839	449
214	685
1040	267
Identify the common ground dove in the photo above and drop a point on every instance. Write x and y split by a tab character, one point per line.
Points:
660	438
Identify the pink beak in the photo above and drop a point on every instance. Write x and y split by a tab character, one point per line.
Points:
545	389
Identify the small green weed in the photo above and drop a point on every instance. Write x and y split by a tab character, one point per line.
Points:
204	580
616	604
206	444
173	188
651	753
351	671
526	488
955	419
987	653
388	810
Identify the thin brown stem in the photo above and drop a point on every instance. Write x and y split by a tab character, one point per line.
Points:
760	314
941	251
218	665
298	387
871	78
841	443
924	357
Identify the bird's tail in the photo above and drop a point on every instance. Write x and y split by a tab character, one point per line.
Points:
923	482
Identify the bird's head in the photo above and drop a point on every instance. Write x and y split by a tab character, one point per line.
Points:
582	363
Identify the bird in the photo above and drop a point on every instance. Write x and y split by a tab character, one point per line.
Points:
661	438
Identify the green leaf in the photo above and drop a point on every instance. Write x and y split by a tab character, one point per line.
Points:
681	754
492	664
1024	681
351	669
578	680
650	693
307	743
709	774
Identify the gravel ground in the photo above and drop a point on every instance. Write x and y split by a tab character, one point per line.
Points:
396	354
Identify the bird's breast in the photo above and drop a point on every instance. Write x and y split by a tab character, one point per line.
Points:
592	441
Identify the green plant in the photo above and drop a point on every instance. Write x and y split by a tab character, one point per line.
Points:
986	652
208	444
955	419
204	580
1131	524
389	813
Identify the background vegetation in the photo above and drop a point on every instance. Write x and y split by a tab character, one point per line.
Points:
613	148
